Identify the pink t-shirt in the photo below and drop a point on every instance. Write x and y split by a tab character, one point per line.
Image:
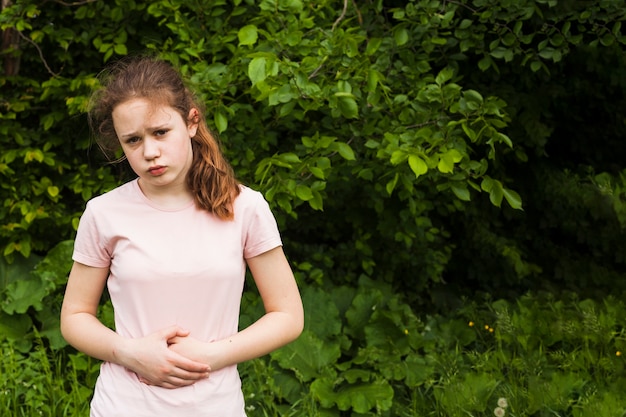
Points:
183	267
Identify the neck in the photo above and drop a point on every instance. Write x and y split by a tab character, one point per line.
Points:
170	197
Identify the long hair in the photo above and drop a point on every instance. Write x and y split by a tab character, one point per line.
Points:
210	178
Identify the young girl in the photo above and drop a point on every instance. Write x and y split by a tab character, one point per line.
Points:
172	246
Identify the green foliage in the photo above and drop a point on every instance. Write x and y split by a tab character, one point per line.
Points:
31	297
395	118
427	148
45	383
365	353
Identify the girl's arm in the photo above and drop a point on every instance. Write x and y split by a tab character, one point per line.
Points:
282	323
148	357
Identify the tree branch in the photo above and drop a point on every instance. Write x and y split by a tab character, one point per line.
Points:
43	59
76	3
341	17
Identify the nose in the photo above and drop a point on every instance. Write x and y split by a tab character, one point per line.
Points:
151	148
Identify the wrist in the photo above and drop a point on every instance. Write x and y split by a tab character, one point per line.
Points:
119	351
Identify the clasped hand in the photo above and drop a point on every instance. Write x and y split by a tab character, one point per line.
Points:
169	358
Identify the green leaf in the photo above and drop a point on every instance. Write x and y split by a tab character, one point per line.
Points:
14	327
309	357
391	185
486	184
322	391
53	191
317	172
248	35
360	312
461	192
283	94
499	52
465	23
317	202
23	294
303	192
485	63
444	76
316	299
372	46
397	157
417	165
347	106
513	198
496	193
288	158
448	159
473	96
503	138
420	370
535	66
256	70
120	49
471	134
401	36
345	151
220	120
365	397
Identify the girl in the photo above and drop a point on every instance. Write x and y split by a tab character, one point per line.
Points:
172	246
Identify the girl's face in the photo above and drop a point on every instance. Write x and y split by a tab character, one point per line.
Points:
157	143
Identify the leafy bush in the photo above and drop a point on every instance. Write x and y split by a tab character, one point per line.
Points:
381	132
32	297
365	353
389	138
44	382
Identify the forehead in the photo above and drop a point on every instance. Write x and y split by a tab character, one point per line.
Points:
141	111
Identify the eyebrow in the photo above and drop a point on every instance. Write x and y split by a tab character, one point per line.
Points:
150	129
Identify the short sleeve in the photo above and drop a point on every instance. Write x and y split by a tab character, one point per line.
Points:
90	244
261	231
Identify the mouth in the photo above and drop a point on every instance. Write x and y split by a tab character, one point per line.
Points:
156	170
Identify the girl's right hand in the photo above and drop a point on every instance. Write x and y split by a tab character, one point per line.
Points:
155	364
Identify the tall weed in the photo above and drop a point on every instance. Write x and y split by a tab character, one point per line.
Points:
364	352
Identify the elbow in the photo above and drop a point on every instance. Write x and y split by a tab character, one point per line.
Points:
69	326
64	327
297	326
296	331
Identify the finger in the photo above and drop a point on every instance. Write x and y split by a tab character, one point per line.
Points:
192	366
177	384
181	380
173	331
175	339
188	377
188	365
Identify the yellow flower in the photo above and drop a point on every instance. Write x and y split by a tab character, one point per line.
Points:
491	330
618	353
470	324
486	327
406	331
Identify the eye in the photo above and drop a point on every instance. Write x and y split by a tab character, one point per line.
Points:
133	139
160	132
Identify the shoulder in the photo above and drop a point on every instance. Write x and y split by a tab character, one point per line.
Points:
251	206
248	198
112	198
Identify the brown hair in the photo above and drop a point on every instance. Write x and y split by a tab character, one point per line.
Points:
210	178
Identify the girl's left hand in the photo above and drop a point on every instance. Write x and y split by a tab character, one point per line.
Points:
193	349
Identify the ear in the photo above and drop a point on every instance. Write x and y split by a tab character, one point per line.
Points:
193	119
